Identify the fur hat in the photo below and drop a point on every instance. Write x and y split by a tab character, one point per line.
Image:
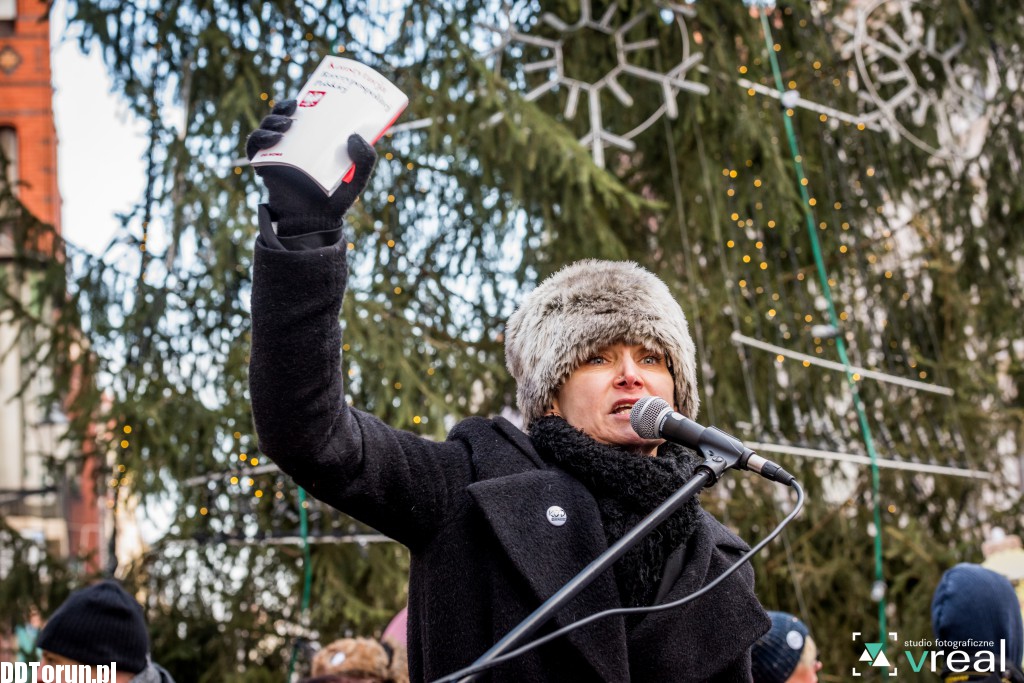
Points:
583	308
361	659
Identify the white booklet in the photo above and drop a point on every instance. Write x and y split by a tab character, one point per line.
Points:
342	97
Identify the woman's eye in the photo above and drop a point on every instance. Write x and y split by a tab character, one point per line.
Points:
596	360
651	360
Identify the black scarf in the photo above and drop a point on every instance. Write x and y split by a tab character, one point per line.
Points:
627	487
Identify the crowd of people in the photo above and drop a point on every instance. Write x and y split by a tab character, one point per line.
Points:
973	606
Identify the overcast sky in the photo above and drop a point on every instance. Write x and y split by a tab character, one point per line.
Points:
100	149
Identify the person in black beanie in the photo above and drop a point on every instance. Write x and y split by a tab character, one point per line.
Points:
786	654
496	518
101	625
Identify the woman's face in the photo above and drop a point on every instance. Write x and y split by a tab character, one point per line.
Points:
599	394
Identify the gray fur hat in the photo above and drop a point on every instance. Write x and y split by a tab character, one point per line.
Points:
581	309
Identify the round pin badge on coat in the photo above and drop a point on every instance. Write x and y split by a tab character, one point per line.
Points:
556	515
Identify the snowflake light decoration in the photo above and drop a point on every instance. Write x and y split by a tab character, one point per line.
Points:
892	65
558	76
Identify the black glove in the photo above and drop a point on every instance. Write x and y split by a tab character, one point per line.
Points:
306	217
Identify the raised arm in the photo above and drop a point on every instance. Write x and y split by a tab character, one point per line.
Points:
397	482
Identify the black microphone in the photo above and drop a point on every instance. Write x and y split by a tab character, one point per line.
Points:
653	418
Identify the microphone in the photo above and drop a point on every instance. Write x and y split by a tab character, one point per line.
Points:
653	418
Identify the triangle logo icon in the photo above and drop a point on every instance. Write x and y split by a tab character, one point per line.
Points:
881	661
874	649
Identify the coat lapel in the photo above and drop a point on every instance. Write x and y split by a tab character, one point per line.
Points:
547	556
723	622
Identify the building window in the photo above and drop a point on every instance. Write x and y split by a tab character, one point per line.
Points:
8	185
9	156
8	13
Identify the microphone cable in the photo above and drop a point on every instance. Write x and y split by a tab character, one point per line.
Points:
501	659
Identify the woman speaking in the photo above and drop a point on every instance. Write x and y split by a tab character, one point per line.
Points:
496	518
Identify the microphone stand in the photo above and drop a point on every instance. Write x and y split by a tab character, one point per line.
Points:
716	461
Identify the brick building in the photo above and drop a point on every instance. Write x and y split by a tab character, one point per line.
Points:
58	509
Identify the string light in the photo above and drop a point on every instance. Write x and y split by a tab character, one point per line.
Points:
124	443
254	462
237	435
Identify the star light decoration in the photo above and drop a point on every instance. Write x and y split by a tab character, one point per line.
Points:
895	49
560	75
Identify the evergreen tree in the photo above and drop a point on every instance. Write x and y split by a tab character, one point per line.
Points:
911	160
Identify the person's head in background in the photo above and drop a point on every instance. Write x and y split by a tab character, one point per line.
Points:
96	626
972	603
360	660
786	654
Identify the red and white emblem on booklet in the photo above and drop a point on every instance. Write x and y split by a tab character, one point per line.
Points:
341	98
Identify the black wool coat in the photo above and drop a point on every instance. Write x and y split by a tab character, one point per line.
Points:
473	512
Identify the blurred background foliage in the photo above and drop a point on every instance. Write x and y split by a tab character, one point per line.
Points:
916	205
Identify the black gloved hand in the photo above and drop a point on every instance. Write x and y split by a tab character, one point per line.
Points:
306	217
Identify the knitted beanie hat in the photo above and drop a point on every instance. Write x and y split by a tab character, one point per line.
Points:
974	603
99	625
774	657
583	308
